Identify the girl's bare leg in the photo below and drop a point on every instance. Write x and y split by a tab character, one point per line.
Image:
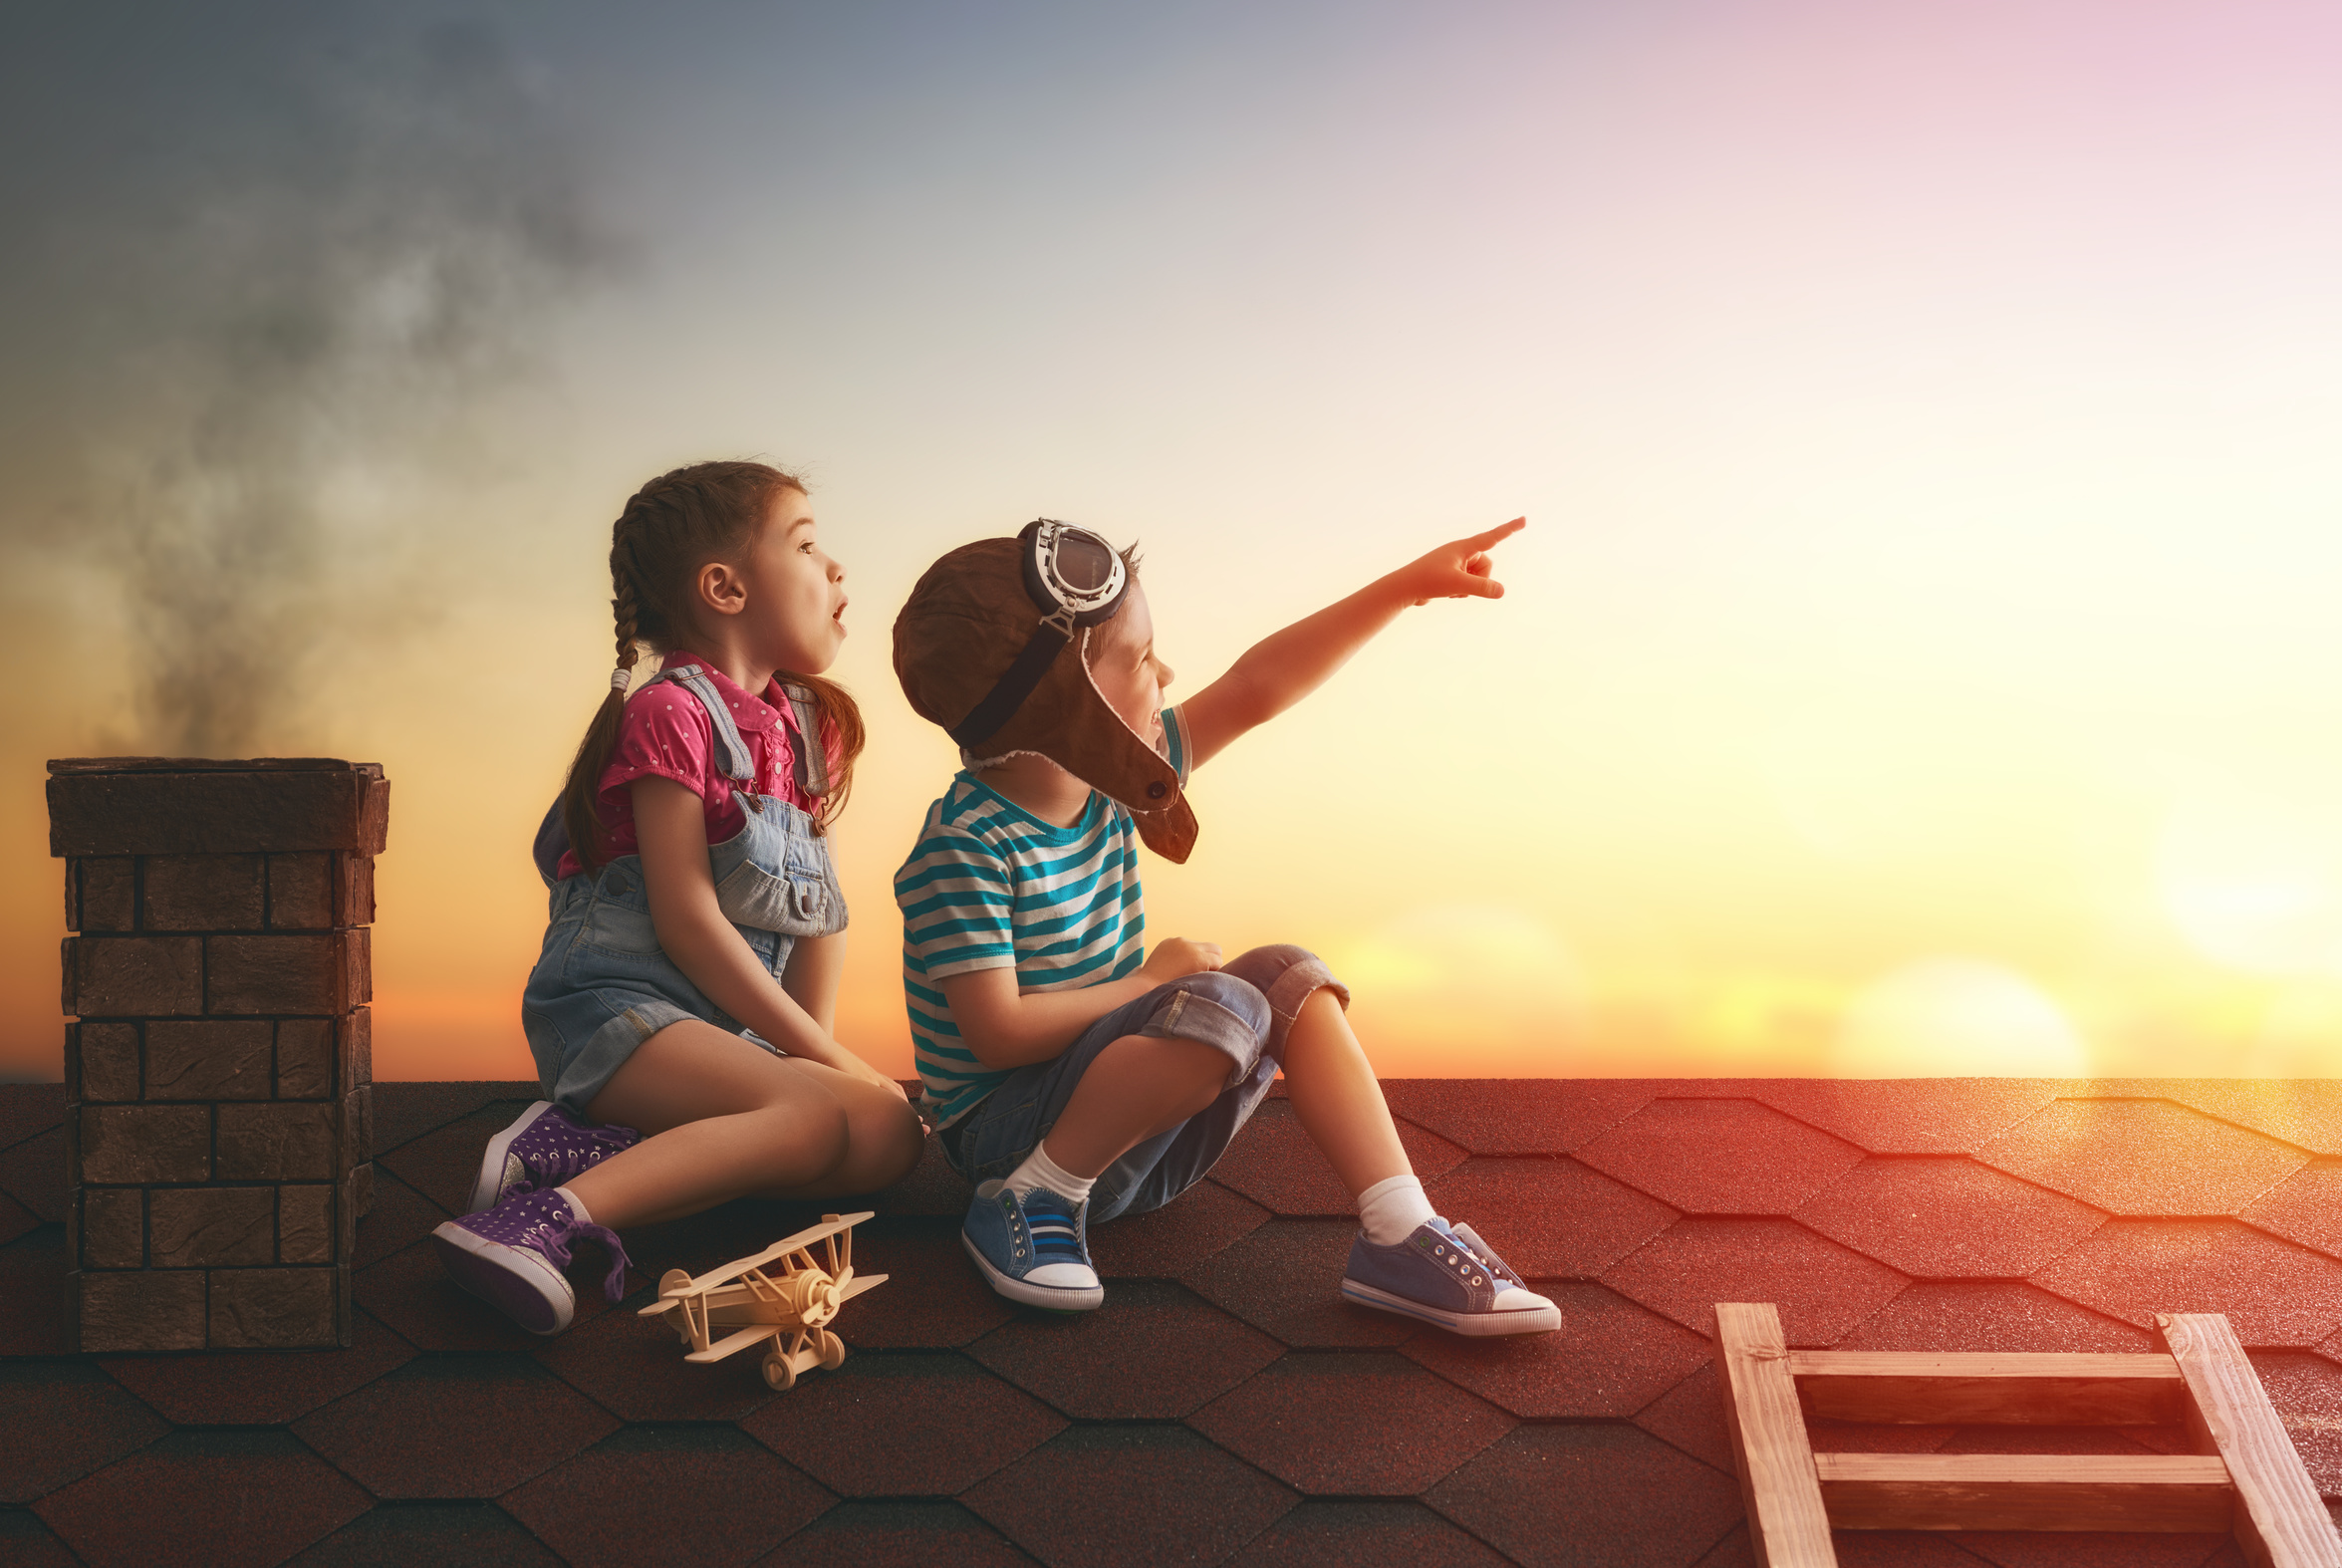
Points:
1337	1098
722	1119
1139	1086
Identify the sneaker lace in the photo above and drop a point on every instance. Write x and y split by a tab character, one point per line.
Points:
553	1238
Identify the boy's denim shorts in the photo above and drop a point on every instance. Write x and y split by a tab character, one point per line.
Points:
1245	1008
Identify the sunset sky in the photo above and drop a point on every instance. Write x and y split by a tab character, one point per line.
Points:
1923	656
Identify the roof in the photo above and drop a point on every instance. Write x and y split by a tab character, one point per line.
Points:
1225	1405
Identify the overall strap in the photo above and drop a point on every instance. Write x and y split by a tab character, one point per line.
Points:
813	763
731	752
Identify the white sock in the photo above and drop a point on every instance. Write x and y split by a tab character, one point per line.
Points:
1390	1210
576	1205
1039	1170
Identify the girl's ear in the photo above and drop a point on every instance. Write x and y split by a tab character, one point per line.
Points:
719	587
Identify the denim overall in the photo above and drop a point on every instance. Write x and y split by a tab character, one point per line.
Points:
603	985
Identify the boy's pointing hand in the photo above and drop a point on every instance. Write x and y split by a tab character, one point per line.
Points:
1460	569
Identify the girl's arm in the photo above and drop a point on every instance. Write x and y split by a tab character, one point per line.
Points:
1281	669
1006	1028
672	831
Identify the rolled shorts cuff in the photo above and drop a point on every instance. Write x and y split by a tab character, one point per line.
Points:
1189	1015
586	1074
1290	990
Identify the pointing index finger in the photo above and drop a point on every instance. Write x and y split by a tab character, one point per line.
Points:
1501	531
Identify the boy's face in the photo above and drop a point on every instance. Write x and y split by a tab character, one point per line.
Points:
1124	664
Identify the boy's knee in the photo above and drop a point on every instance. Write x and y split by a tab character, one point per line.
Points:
1286	977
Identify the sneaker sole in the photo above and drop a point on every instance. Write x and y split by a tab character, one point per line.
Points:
1056	1297
518	1283
488	1191
1478	1325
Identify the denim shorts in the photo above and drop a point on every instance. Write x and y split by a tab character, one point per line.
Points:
1245	1008
603	985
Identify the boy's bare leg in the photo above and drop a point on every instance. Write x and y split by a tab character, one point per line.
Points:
1337	1098
1139	1086
722	1119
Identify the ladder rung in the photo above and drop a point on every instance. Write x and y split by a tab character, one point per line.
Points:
1969	1389
2024	1491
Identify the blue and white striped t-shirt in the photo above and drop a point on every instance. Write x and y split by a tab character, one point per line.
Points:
988	886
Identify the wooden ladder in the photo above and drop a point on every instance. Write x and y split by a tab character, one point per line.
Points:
2242	1478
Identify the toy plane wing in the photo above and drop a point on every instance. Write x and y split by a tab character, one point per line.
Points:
733	1270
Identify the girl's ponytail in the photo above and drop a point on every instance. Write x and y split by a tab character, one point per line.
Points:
587	838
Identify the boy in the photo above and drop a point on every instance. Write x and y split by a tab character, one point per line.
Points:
1072	1075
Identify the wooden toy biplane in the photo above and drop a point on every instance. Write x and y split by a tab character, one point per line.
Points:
784	1294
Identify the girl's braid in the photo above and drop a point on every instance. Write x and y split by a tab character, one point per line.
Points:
624	607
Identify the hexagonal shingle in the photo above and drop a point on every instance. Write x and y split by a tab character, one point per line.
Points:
1273	1163
1998	1315
633	1367
683	1495
1285	1279
1517	1116
220	1390
191	1498
2306	1208
2273	1292
1610	1357
2142	1157
1549	1218
1948	1219
59	1420
1721	1156
1165	1243
2307	1391
1169	1351
1822	1288
903	1425
933	1298
455	1426
1544	1495
1108	1496
1906	1115
897	1531
1351	1422
1335	1532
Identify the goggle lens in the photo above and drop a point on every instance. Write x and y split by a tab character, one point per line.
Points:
1083	562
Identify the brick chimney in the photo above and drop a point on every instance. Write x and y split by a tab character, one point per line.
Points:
218	1125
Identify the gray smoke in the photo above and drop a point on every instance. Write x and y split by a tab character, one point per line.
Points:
275	263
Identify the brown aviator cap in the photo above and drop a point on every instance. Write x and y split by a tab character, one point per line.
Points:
966	620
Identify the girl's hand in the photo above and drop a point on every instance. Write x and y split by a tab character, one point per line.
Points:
848	1062
1458	570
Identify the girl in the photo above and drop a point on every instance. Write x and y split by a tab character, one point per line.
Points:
681	1007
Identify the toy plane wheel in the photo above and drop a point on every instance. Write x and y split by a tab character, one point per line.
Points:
833	1349
780	1373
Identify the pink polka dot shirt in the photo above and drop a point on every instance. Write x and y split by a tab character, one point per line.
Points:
667	733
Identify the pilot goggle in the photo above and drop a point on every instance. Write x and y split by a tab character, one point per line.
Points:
1077	580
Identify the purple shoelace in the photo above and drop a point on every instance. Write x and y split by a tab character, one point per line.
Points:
544	1222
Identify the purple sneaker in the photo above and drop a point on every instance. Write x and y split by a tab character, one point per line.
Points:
544	1148
512	1258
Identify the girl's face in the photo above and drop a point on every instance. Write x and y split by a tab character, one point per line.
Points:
796	595
1128	674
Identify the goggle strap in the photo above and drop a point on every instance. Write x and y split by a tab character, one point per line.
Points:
1015	685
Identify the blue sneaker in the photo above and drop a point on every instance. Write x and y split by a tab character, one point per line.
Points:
1032	1249
1445	1275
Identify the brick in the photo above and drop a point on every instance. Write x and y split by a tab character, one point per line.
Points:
277	1143
108	890
205	892
305	1225
114	1227
142	808
213	1226
144	1142
283	975
207	1060
355	1034
134	976
300	891
108	1054
360	1188
305	1058
354	890
273	1308
358	1128
141	1311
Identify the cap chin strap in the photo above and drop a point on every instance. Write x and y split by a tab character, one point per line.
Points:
1017	680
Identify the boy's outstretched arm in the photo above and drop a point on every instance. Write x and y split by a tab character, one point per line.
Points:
1281	669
